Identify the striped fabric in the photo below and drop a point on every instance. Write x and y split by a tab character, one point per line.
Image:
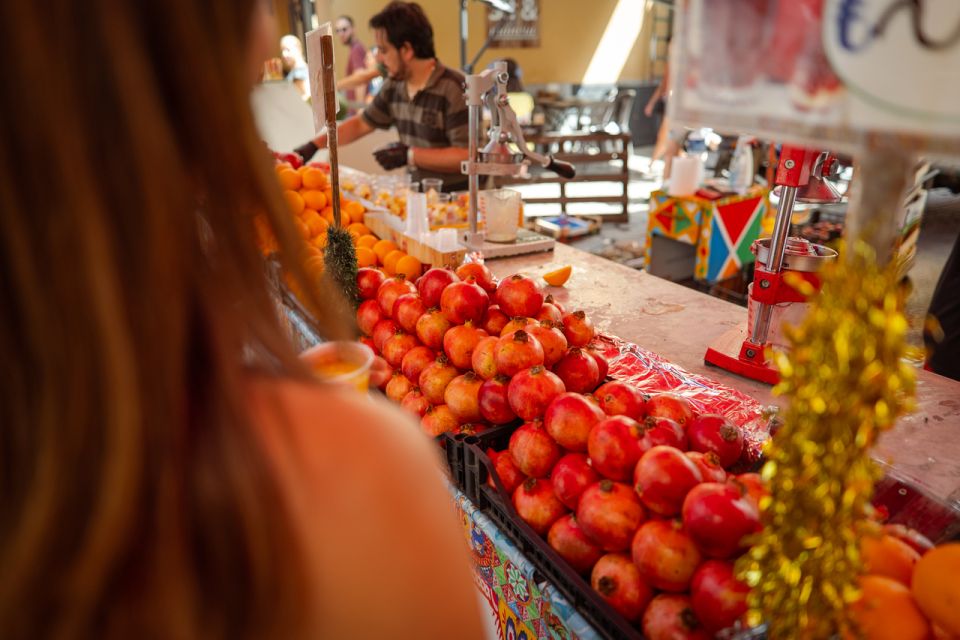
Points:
436	117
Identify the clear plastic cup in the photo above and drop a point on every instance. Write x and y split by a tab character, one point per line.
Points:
501	209
343	363
431	184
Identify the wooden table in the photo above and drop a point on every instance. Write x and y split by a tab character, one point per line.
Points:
678	323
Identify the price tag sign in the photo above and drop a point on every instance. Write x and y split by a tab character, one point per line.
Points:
818	72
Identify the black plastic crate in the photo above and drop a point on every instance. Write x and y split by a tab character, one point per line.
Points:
452	445
497	505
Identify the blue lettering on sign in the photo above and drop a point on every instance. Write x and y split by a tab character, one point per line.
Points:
850	21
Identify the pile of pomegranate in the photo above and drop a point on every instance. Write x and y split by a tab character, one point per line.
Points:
629	489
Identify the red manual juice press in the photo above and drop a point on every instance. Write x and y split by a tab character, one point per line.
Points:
802	177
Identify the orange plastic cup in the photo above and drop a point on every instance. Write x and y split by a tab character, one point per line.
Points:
342	362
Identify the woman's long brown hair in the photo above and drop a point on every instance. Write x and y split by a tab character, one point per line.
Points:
134	500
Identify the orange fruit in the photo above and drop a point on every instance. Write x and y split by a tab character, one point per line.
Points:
559	277
936	587
366	257
358	228
345	219
356	210
382	248
302	227
410	267
294	202
319	241
368	241
327	214
314	198
390	261
314	178
887	556
314	266
303	215
887	611
289	179
315	223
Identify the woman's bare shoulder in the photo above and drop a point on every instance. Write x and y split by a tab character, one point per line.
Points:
366	487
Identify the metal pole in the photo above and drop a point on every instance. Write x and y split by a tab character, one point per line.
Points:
473	180
463	35
778	249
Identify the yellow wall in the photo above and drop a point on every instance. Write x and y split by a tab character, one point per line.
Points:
569	33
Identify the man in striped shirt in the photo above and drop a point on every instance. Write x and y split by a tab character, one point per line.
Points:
421	97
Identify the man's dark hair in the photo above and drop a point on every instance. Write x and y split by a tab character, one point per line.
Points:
406	22
347	18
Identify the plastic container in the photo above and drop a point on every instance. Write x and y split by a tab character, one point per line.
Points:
344	363
741	167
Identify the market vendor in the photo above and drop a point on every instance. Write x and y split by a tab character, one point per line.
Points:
421	97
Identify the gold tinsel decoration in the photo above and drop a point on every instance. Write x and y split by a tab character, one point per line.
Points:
847	381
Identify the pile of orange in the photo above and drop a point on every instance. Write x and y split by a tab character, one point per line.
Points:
905	595
389	257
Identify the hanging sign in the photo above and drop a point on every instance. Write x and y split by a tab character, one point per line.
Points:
522	29
815	71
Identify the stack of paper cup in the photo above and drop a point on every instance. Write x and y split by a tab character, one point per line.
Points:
417	222
685	176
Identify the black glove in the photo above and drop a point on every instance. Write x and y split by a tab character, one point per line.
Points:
392	156
306	151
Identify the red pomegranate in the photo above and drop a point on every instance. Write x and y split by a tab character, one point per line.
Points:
551	339
709	466
718	517
550	312
619	398
506	469
569	419
663	477
480	272
618	582
369	343
397	346
715	433
483	361
614	447
415	402
670	616
464	301
494	403
517	351
392	289
532	390
519	296
536	505
459	343
609	513
670	405
661	431
472	428
603	366
430	286
578	329
578	370
398	387
416	361
435	378
438	419
665	555
515	324
431	327
461	395
571	476
368	315
407	310
383	330
494	320
753	485
717	597
369	281
551	300
533	450
571	543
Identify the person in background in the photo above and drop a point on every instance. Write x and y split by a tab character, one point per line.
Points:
421	97
294	65
170	469
942	331
669	139
357	58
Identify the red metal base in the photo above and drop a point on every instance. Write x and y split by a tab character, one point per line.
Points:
746	368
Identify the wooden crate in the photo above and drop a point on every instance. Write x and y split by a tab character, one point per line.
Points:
389	227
